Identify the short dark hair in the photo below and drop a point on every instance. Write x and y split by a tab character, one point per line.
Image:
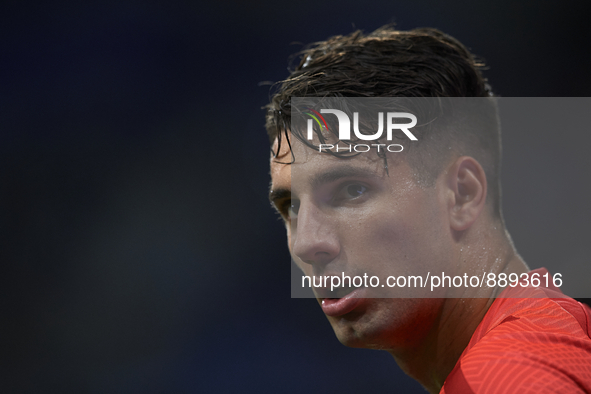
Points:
389	63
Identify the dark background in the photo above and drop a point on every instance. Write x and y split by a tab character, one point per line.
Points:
139	253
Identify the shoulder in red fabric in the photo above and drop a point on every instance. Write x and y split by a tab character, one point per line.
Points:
539	342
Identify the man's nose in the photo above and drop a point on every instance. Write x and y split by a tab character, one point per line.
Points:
316	241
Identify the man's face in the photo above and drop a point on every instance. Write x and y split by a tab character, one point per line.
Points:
349	216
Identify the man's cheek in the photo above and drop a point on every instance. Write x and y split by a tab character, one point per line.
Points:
298	262
290	240
305	269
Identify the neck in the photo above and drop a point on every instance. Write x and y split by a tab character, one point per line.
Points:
436	355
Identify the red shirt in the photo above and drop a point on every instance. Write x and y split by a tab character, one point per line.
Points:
537	343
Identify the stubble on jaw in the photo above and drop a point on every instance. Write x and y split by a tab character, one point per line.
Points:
397	325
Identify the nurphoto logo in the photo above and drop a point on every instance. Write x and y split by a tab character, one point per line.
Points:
344	133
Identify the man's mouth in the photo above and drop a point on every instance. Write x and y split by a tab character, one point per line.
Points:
335	293
340	301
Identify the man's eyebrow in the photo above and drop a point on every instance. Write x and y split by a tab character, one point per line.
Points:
328	176
335	174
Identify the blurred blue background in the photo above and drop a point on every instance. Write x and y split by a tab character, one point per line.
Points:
139	252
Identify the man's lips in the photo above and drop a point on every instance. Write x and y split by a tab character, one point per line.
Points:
341	306
337	292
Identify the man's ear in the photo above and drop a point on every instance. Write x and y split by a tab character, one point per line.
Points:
466	181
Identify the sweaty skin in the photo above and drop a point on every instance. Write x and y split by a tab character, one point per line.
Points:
350	216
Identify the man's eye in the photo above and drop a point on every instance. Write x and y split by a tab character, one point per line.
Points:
293	208
289	209
355	190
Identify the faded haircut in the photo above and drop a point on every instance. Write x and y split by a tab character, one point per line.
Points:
389	63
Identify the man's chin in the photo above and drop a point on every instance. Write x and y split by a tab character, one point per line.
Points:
385	323
354	329
355	336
